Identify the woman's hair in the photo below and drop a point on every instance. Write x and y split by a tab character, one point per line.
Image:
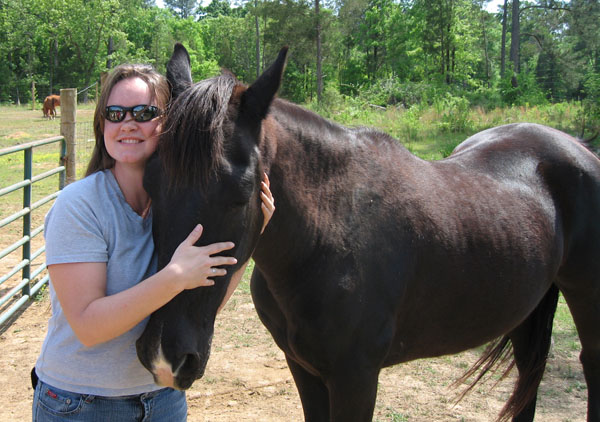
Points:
159	91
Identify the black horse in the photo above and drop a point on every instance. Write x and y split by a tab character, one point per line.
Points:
374	257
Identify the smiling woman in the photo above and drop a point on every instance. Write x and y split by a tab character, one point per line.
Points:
127	139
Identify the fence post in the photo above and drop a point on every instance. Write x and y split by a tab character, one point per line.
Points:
68	119
33	95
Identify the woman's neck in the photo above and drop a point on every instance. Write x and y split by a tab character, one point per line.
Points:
130	180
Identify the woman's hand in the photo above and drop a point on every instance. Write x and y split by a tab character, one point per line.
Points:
268	202
195	265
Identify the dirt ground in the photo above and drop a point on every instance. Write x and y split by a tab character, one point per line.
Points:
247	379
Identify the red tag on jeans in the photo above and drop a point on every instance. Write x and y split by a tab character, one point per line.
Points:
52	394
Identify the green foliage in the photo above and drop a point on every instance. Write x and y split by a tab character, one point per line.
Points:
352	75
391	91
296	81
454	113
229	43
527	91
387	52
182	8
590	113
486	98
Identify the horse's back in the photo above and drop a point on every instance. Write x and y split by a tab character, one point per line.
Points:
512	209
499	146
553	163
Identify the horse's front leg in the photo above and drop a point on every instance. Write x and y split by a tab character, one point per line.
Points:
313	393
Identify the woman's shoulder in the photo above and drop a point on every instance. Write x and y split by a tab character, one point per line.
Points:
90	194
90	187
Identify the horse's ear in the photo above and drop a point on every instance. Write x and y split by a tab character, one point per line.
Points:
258	97
179	73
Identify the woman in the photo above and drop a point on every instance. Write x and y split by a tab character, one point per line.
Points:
100	258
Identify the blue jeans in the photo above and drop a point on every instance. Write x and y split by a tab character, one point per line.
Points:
51	404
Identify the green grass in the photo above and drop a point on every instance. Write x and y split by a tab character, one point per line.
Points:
393	416
432	132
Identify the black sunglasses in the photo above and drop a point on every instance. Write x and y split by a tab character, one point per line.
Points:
140	113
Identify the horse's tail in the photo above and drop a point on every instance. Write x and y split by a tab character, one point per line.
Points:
499	353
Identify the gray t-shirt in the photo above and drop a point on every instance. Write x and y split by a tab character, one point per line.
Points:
91	222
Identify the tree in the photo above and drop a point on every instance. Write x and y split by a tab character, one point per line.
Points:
86	27
515	36
503	46
257	42
218	8
584	40
182	8
451	37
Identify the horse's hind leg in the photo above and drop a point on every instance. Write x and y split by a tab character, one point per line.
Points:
584	304
531	343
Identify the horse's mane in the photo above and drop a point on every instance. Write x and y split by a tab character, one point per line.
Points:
191	145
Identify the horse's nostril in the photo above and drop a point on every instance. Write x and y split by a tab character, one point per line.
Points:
187	363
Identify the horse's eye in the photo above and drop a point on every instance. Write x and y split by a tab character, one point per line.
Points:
239	203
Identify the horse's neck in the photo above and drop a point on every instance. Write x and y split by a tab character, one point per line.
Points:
316	167
304	142
318	144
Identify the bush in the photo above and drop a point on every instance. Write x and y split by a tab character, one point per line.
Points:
590	114
455	114
486	98
393	92
526	93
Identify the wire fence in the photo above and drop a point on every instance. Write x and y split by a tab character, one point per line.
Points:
23	92
84	145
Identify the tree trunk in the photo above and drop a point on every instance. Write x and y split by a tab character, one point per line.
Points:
485	49
111	49
514	42
257	26
503	47
319	58
51	78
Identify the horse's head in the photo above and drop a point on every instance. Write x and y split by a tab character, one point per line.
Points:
208	171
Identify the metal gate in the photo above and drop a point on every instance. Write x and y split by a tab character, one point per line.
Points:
30	282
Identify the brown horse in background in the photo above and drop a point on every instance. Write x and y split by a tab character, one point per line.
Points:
50	103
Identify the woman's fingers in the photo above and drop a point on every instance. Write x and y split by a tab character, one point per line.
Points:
194	236
268	201
215	248
217	272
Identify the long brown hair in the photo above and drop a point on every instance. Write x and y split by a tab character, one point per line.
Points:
159	91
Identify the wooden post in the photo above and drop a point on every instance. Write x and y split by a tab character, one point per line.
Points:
68	120
33	95
103	77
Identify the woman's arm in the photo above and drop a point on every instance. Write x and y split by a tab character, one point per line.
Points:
96	318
